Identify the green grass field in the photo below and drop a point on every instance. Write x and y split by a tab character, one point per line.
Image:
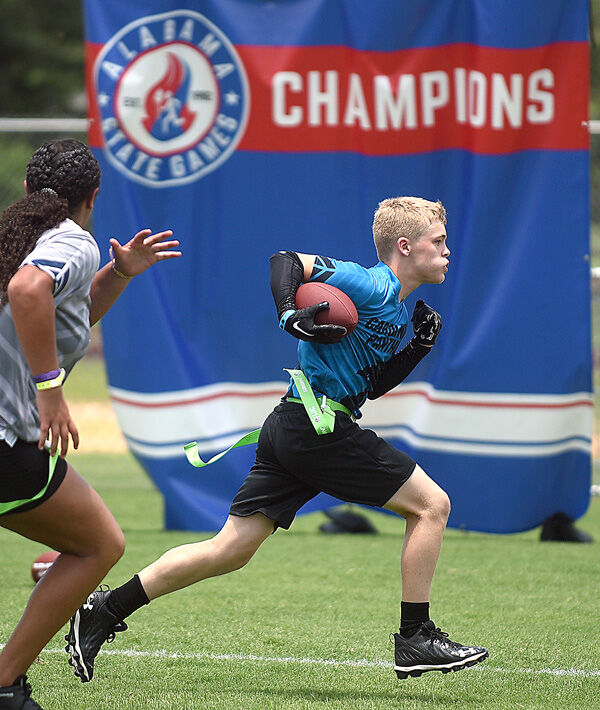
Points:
306	623
87	381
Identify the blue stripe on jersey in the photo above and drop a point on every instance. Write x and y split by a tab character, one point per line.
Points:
345	371
61	281
46	262
322	269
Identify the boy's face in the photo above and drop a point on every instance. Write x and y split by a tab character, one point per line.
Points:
429	255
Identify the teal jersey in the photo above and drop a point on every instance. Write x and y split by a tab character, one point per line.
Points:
346	371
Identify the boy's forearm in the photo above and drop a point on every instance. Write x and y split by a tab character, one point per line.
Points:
398	368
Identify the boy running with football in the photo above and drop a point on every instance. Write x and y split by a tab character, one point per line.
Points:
295	460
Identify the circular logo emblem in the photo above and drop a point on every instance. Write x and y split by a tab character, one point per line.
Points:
173	98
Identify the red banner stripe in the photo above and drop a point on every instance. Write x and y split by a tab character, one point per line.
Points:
94	131
459	96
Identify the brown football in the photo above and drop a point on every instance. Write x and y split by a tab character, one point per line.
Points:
342	310
41	564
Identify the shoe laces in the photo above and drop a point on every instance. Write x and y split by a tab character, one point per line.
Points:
432	629
438	633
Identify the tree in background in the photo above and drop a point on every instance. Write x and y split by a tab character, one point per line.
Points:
41	58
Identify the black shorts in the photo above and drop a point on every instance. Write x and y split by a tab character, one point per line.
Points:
293	464
24	472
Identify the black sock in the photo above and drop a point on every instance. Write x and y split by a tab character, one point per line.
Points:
126	599
412	615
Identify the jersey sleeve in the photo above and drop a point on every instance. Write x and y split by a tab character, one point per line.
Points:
353	279
70	260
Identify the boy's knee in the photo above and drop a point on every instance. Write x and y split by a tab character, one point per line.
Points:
434	507
442	505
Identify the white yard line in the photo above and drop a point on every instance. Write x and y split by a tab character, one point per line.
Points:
362	663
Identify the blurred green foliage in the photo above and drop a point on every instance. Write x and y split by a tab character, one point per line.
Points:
41	58
41	74
16	149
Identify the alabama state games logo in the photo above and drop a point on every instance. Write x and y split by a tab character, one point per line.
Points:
173	98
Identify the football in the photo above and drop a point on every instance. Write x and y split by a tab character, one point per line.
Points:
41	564
342	310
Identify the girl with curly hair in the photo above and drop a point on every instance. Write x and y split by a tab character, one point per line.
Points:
51	293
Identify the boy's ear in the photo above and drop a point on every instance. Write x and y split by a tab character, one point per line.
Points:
404	245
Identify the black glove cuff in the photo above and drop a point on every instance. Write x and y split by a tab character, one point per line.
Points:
398	367
287	273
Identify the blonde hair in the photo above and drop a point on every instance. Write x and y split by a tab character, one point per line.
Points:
403	217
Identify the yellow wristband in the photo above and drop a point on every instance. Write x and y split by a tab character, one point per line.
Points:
119	274
52	384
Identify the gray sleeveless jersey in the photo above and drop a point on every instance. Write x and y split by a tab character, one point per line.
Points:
70	256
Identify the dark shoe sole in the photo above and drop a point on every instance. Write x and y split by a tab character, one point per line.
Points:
404	673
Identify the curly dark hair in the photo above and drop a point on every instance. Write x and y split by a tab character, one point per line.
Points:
71	173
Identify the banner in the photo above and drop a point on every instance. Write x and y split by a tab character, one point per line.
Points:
250	127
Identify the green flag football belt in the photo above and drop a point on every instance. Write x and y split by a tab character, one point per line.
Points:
321	414
12	504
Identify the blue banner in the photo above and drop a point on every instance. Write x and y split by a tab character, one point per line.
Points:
250	127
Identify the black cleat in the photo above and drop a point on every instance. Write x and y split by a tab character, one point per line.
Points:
91	625
18	696
430	649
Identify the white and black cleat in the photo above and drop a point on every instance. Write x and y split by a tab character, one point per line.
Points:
91	625
430	649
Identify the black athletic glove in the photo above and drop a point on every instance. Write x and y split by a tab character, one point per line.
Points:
427	323
301	324
287	273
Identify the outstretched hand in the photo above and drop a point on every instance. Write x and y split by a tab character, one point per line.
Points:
143	251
